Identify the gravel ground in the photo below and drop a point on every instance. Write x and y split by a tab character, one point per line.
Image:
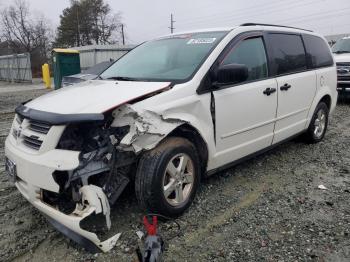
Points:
266	209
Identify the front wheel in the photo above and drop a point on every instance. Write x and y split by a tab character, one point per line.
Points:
167	177
318	125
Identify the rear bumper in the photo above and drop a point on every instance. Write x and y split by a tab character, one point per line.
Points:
343	82
343	91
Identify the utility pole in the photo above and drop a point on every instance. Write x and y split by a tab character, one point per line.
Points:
123	34
172	23
78	40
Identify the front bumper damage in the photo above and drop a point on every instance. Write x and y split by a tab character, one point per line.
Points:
94	201
111	151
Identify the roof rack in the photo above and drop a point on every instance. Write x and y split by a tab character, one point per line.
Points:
250	24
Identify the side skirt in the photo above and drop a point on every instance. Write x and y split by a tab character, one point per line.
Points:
243	159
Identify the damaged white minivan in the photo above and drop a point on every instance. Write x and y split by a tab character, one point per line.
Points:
168	113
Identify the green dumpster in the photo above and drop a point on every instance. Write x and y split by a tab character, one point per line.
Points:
66	62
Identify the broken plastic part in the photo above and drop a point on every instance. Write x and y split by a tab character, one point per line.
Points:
140	234
93	196
322	187
147	128
93	201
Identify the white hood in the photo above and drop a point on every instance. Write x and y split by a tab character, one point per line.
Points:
94	96
342	58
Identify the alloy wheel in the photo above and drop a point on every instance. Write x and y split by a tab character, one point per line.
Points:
178	179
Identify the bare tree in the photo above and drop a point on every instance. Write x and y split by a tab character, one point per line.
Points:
25	33
22	31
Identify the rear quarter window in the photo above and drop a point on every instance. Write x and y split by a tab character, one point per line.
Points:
288	53
318	52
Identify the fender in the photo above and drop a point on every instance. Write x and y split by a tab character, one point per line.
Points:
324	89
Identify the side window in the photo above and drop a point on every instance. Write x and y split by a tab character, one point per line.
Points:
288	53
250	52
318	52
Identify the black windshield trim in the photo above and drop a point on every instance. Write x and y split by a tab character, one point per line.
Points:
341	52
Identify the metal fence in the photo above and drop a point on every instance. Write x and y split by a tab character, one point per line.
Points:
15	68
94	54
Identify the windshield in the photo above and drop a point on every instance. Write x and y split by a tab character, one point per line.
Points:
166	59
342	46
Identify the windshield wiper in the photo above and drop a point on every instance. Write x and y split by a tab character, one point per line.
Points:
121	78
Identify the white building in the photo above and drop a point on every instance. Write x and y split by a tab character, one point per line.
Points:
93	54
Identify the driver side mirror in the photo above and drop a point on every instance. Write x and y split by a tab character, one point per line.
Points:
231	74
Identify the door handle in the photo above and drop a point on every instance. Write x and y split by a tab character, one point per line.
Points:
268	91
285	87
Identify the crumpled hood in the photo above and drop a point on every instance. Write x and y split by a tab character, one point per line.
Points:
342	58
94	96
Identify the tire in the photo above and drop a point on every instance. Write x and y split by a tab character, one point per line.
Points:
155	174
317	128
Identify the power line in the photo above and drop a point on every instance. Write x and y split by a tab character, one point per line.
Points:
265	11
317	16
230	13
238	14
234	18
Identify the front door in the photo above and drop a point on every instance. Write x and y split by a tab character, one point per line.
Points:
245	113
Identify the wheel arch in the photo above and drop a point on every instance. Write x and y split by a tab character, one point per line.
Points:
325	97
327	100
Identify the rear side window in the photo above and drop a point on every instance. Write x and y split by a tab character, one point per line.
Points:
251	53
288	53
318	52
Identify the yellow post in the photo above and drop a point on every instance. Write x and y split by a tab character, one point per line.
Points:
46	75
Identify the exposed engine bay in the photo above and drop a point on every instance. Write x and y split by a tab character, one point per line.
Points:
100	163
102	174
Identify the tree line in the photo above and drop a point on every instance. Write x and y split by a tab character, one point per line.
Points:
83	22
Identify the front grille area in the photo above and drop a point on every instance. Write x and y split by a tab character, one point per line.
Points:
343	78
39	127
343	71
32	142
343	64
29	133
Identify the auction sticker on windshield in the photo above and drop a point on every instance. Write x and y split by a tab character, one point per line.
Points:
201	41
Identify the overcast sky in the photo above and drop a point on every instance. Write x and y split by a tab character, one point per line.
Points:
145	19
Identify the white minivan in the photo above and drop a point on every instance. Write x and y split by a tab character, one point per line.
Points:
165	115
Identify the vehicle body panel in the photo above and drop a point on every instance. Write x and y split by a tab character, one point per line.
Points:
326	86
294	103
241	131
95	96
342	58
